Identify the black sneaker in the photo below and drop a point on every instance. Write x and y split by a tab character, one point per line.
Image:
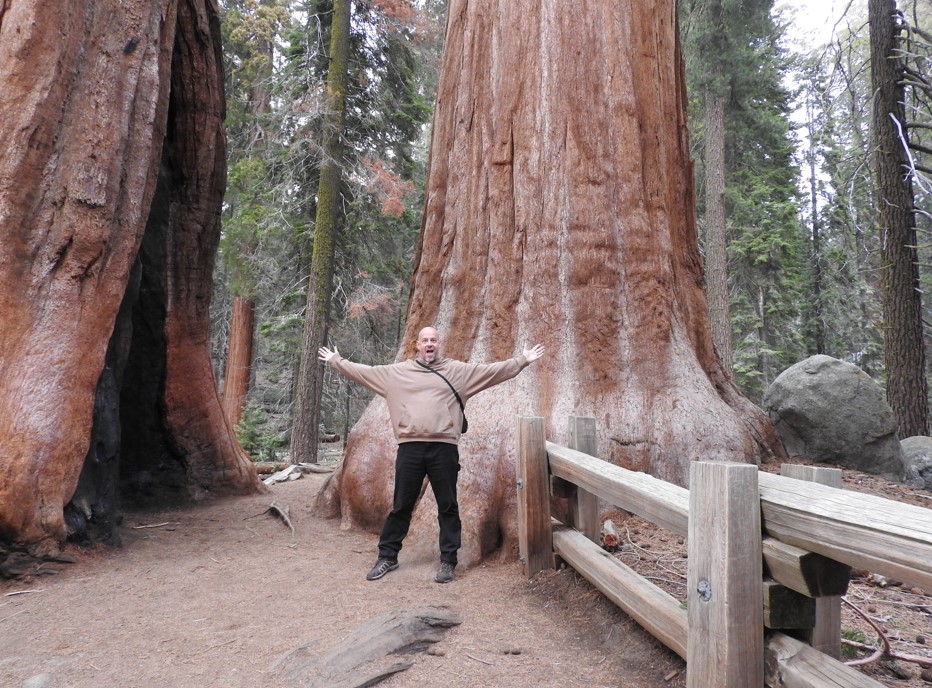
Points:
382	566
445	572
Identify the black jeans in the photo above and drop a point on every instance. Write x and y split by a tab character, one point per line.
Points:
440	462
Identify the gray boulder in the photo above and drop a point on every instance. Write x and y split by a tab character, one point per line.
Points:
833	412
917	458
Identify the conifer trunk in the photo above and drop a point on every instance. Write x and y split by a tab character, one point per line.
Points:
904	351
716	252
304	437
238	370
113	166
560	209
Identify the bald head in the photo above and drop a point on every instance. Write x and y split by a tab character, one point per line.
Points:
428	345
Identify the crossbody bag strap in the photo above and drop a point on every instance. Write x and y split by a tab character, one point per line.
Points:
452	388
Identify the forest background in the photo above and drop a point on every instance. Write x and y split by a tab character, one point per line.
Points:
781	136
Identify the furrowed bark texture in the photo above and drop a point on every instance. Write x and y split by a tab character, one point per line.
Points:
195	152
84	110
559	210
904	347
716	249
239	359
306	429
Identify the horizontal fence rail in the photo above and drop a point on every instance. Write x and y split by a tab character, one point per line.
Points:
861	530
803	532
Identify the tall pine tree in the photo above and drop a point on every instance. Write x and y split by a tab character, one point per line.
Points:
735	66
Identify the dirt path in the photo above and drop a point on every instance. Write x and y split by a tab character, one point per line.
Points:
213	598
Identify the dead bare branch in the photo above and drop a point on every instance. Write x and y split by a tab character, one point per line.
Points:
279	510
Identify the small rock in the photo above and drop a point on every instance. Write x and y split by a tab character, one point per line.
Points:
436	651
16	564
926	675
511	650
899	671
920	640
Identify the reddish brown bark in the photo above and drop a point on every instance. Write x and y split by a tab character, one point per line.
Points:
239	359
89	97
559	210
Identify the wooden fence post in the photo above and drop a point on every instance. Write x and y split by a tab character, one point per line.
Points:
535	534
825	636
725	648
583	505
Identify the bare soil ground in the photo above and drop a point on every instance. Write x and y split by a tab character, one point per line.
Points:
218	594
213	596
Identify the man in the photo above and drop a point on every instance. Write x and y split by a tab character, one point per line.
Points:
427	418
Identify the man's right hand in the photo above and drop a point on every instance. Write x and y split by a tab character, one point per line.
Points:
325	354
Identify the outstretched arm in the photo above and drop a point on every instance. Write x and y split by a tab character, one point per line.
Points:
325	354
533	353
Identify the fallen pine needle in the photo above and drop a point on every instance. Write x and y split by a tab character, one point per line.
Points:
22	592
156	525
478	660
214	647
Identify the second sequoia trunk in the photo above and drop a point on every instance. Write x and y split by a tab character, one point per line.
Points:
560	210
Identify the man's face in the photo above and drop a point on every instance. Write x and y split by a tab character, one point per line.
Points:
428	345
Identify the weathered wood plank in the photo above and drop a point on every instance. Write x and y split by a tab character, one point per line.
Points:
785	608
858	529
535	542
368	654
658	612
790	663
724	573
659	502
805	572
583	505
825	634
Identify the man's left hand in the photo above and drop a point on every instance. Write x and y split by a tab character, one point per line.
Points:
534	353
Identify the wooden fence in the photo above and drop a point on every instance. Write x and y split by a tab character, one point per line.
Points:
740	523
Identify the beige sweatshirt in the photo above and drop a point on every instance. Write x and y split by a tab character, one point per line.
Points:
421	405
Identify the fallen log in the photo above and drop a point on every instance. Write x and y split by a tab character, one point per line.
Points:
268	467
361	659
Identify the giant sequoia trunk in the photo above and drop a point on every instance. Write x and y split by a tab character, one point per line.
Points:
559	210
111	178
238	371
